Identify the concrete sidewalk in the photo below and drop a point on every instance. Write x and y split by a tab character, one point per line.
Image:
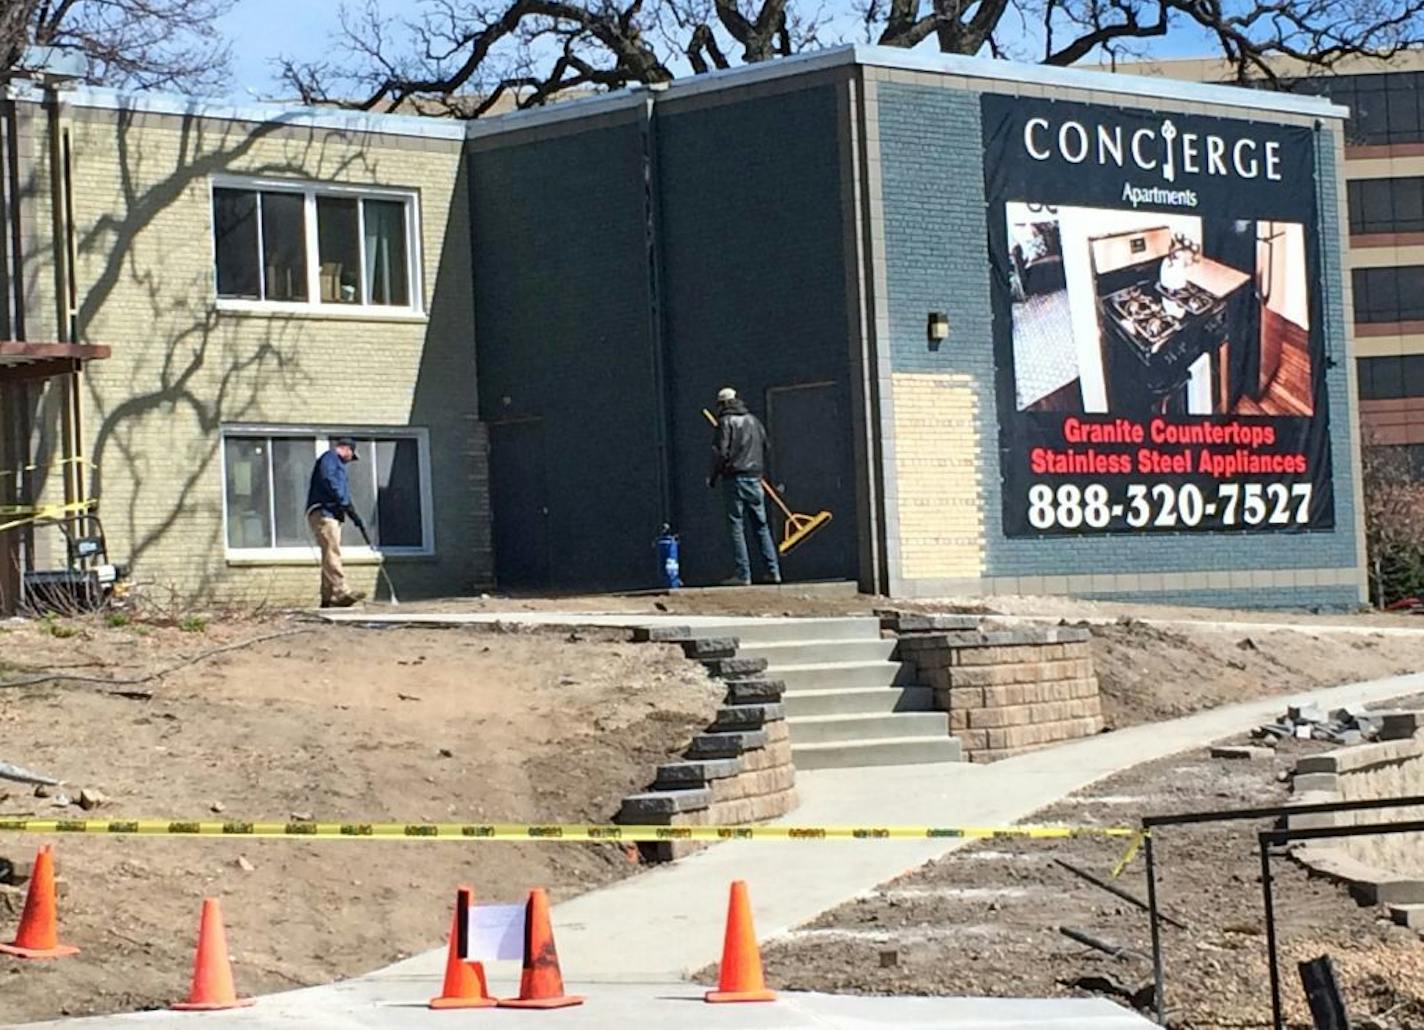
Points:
355	1006
661	926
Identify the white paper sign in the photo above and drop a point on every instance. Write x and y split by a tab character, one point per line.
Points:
495	932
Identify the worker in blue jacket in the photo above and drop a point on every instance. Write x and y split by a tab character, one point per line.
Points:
328	506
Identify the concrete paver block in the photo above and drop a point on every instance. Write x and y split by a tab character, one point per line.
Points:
686	775
661	803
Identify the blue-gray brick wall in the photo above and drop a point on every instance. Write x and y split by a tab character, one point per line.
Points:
936	260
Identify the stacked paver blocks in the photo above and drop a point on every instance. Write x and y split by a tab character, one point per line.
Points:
1006	692
739	770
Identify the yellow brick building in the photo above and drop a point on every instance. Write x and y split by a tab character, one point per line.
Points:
264	279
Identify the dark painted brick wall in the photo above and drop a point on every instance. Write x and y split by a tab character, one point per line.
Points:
755	295
561	310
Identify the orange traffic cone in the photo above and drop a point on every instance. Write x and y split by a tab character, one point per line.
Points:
212	972
465	986
542	985
38	936
740	978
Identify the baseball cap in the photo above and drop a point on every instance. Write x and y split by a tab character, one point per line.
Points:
337	441
726	394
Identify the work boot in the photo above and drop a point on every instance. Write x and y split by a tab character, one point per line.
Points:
346	600
735	581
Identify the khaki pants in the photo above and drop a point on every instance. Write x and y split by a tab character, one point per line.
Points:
328	537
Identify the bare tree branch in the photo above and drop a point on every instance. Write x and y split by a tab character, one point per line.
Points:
472	57
148	44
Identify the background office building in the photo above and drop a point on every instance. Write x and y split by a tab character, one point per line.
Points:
1384	173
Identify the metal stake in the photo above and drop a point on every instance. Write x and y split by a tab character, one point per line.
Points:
1159	985
1269	898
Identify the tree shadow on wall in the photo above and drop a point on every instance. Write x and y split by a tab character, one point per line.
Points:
176	359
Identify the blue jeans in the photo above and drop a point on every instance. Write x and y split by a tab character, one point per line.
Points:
743	496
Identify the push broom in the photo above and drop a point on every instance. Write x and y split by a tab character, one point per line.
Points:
795	528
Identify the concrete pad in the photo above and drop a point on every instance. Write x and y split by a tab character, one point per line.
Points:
617	1006
614	620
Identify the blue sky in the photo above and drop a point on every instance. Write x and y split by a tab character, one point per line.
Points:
260	30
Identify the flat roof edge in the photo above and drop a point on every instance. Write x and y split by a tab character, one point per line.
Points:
101	98
1139	87
692	85
1098	81
561	111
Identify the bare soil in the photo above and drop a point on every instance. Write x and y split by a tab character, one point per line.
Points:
841	599
1147	673
986	919
331	722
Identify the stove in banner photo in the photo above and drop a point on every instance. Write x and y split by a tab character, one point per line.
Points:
1165	312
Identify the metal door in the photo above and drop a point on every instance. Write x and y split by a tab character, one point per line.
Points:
519	502
812	469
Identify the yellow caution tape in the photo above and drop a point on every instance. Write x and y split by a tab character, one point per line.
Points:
1133	846
46	509
560	832
52	465
34	513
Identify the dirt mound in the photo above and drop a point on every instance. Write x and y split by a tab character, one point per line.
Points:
1148	673
333	722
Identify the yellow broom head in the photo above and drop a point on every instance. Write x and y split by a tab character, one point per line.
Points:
799	528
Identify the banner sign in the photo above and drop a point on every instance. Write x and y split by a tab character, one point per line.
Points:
1157	321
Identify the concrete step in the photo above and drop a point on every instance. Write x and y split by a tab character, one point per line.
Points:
824	729
817	651
833	675
885	751
851	700
774	631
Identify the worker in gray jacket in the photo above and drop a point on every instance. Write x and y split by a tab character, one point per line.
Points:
739	453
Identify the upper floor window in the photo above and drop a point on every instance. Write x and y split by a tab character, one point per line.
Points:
1391	378
1386	205
1389	294
1384	107
283	246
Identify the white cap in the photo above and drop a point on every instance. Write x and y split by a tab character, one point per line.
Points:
726	394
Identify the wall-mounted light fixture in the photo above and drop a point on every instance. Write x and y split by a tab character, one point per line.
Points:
937	329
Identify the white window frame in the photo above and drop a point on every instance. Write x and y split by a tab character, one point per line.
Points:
415	311
308	554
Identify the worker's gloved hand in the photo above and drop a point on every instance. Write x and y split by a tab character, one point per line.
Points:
355	518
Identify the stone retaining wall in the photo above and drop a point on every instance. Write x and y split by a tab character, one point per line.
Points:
1380	869
1006	692
737	772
